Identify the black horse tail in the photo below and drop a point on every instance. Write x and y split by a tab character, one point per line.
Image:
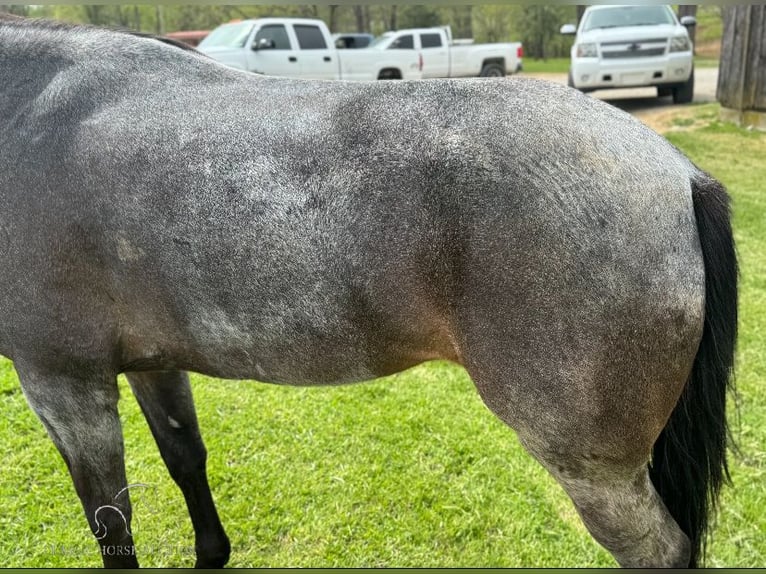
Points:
688	464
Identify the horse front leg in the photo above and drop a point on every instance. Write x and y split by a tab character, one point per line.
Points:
80	415
165	398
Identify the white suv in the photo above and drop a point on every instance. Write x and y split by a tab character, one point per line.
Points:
632	46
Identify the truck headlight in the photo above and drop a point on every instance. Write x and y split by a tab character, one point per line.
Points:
680	44
587	51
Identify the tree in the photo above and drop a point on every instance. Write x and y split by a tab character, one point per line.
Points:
391	20
418	16
742	70
332	22
580	11
539	32
15	9
362	16
460	18
688	10
492	23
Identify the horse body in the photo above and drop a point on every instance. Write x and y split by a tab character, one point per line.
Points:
166	214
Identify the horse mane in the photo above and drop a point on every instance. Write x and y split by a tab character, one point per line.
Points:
57	25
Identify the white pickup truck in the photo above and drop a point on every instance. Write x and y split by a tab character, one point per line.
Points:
302	48
633	46
441	58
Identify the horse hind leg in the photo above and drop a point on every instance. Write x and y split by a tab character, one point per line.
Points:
599	463
621	509
166	400
596	442
80	415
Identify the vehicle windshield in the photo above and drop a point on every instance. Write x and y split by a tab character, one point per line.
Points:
622	16
228	36
380	40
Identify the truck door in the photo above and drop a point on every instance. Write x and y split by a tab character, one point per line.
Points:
317	59
272	54
435	55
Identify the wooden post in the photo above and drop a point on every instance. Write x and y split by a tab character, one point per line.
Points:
742	69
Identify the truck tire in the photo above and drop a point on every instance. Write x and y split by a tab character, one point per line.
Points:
492	70
684	93
390	74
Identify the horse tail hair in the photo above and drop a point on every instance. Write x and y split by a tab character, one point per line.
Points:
688	465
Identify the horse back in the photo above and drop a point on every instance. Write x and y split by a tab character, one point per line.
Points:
245	226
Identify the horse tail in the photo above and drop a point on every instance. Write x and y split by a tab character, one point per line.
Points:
688	464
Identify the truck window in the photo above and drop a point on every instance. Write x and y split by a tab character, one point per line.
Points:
310	37
403	43
276	33
430	40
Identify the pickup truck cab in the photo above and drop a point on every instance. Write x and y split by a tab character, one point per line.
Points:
443	58
301	48
633	46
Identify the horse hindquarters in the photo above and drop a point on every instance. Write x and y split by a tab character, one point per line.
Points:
587	367
698	429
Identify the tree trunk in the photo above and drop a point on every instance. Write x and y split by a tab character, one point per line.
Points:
333	23
742	70
580	11
689	10
359	15
160	19
392	21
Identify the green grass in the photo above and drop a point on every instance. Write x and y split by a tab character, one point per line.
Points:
411	470
709	23
705	62
550	65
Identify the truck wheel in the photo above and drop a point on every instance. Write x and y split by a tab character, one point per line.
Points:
492	71
390	74
684	93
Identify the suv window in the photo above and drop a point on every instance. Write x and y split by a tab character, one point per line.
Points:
310	37
276	33
403	43
430	40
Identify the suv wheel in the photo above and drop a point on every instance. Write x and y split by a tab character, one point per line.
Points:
684	93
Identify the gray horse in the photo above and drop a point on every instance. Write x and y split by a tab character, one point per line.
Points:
162	214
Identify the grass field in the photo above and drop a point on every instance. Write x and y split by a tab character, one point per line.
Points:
407	471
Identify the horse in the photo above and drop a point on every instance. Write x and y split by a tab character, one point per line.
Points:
165	214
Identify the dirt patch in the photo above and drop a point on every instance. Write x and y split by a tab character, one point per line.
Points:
660	121
677	119
709	49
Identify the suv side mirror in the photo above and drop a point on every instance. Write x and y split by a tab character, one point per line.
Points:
264	44
688	21
568	29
